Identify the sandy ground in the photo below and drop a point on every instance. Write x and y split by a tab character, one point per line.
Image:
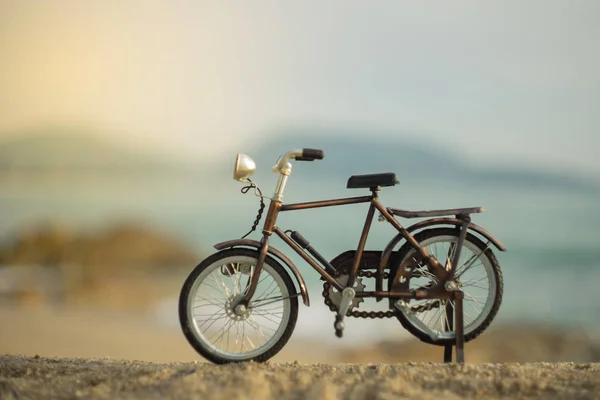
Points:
65	378
37	346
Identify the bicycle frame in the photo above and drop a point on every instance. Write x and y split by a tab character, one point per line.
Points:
440	271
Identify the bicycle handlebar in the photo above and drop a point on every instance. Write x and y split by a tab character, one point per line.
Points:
311	155
284	168
298	155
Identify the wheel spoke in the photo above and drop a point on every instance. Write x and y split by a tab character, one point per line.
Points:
253	321
471	298
243	335
472	281
265	290
210	301
451	253
473	307
272	300
433	316
237	286
467	266
228	337
215	319
467	314
213	287
221	283
224	328
479	287
265	317
445	327
250	341
273	309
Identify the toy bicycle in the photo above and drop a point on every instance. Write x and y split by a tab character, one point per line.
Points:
444	284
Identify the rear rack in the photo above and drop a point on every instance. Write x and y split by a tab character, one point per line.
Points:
435	213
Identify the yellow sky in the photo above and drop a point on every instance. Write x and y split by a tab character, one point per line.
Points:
501	81
121	66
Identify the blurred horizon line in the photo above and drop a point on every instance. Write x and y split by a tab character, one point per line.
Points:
113	139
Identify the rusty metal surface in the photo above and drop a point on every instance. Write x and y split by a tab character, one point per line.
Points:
262	254
460	338
343	264
458	246
385	256
435	213
271	217
307	258
456	222
435	267
361	243
404	272
325	203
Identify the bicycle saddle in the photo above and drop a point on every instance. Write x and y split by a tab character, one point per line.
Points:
372	180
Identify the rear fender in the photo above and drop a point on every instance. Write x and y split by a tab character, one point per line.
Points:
385	256
275	253
457	222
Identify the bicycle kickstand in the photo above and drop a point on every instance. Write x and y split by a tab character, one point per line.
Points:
460	327
347	297
458	321
459	344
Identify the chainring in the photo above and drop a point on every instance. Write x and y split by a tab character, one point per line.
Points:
336	297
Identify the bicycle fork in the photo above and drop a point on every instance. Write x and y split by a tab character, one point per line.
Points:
253	281
262	254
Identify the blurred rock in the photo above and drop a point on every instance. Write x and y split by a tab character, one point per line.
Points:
126	245
128	265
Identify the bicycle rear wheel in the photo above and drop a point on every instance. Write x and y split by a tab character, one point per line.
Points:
478	275
224	333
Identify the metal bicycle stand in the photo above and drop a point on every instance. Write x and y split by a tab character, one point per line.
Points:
460	338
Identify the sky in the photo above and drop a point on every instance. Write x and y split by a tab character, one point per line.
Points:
501	81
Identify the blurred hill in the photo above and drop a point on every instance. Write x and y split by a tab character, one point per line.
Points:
350	151
71	150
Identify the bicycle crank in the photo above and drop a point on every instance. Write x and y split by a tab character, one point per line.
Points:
348	295
335	297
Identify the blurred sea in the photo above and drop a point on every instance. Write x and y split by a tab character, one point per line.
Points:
551	269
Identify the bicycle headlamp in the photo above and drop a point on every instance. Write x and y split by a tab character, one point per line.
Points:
244	167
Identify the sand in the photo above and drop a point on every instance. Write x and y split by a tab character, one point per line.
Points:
68	378
58	353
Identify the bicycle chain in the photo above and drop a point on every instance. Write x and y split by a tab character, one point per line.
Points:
372	314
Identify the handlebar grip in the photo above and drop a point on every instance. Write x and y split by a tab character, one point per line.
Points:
311	155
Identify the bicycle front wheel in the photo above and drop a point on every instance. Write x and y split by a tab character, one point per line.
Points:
477	274
224	333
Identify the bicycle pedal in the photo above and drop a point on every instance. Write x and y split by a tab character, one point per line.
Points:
339	326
